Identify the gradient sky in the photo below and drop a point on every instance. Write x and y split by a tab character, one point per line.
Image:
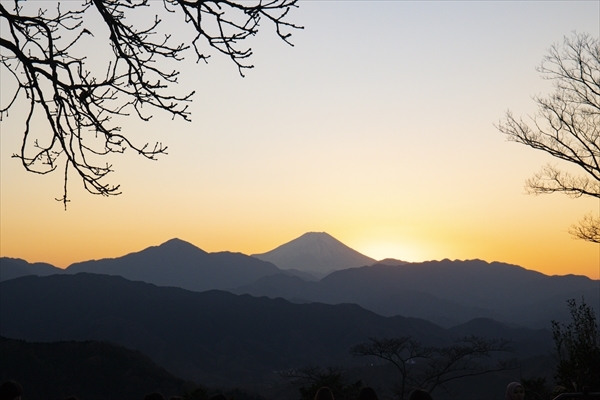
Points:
376	127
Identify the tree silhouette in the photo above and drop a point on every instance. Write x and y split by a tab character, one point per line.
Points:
578	349
45	64
430	367
312	378
567	126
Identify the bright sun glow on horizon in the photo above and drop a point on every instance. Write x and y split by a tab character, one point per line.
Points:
381	136
383	250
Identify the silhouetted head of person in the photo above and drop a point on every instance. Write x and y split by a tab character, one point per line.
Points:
218	397
324	394
515	391
10	390
367	393
154	396
419	394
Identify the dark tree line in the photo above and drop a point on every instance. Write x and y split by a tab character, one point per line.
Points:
577	346
310	379
432	367
45	64
418	366
577	350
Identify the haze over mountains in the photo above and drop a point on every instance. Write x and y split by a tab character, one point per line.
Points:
264	318
215	337
211	336
445	292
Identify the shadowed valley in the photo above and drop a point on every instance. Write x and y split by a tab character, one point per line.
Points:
231	320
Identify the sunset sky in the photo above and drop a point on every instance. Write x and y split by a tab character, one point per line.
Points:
377	127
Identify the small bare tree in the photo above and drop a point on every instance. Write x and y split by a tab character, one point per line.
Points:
429	367
567	126
312	378
42	50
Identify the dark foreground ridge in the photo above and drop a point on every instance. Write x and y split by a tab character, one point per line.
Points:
92	370
215	338
212	337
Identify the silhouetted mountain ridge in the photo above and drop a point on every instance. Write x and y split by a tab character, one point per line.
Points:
445	292
213	337
180	264
11	268
315	252
391	261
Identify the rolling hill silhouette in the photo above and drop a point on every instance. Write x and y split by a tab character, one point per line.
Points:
11	268
180	264
89	370
315	252
215	338
445	292
212	337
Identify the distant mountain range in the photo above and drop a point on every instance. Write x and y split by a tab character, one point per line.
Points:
11	268
215	337
212	337
445	292
317	253
174	263
276	313
181	264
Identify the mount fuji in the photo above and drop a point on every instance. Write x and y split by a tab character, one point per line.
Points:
317	253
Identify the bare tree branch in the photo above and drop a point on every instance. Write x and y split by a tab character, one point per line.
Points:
567	124
587	229
429	367
42	51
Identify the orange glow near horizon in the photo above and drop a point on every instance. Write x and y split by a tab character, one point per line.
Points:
580	258
382	137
